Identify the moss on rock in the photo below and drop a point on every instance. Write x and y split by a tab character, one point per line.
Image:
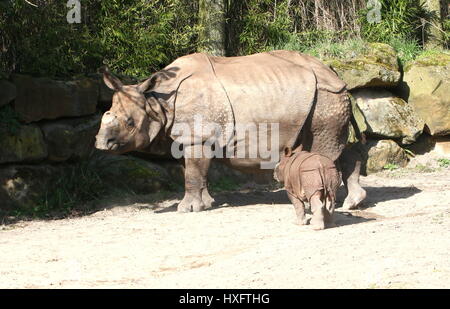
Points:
377	154
388	116
23	145
427	82
376	65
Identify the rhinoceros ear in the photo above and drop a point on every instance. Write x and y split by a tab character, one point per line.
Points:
110	80
149	84
155	111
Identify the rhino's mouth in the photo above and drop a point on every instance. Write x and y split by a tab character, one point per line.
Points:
109	145
112	145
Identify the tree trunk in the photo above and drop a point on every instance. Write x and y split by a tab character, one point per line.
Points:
433	30
212	22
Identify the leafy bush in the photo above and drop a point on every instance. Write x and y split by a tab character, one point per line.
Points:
138	37
134	37
399	18
407	49
38	40
264	23
446	29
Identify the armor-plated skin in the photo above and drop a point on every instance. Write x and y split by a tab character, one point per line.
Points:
306	98
309	178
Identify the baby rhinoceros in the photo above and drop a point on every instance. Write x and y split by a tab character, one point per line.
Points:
313	178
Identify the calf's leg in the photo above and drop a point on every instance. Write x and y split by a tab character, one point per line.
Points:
329	211
318	210
299	207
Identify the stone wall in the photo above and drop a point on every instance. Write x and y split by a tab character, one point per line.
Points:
46	125
395	106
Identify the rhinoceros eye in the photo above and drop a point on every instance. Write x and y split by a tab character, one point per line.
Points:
130	122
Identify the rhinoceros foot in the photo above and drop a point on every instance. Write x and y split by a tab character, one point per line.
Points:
191	203
354	198
208	200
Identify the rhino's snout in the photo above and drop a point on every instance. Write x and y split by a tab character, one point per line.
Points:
103	143
105	139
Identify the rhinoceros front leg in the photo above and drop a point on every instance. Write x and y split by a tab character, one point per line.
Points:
196	196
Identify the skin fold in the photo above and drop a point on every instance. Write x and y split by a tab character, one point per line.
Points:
309	178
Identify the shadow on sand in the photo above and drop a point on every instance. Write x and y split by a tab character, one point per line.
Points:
246	198
374	195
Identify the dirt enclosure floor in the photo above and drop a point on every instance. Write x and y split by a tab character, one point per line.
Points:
399	238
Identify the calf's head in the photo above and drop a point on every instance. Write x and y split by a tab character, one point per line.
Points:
279	170
135	118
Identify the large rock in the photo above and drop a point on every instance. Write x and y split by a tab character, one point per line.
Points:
388	116
360	122
8	92
428	84
24	185
23	144
442	145
43	98
375	66
381	154
70	138
131	173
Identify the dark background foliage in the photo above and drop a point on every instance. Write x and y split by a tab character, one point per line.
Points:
137	37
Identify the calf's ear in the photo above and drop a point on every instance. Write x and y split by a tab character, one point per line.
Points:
110	80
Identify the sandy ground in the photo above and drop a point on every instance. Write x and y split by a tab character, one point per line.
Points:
400	238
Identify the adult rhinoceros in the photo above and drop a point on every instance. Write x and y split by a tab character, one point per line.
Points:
307	99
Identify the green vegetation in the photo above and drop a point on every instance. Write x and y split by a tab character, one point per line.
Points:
137	37
67	192
407	49
424	169
444	162
74	189
399	18
132	37
224	184
391	167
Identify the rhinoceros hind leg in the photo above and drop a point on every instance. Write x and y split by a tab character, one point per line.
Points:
318	210
299	207
350	162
